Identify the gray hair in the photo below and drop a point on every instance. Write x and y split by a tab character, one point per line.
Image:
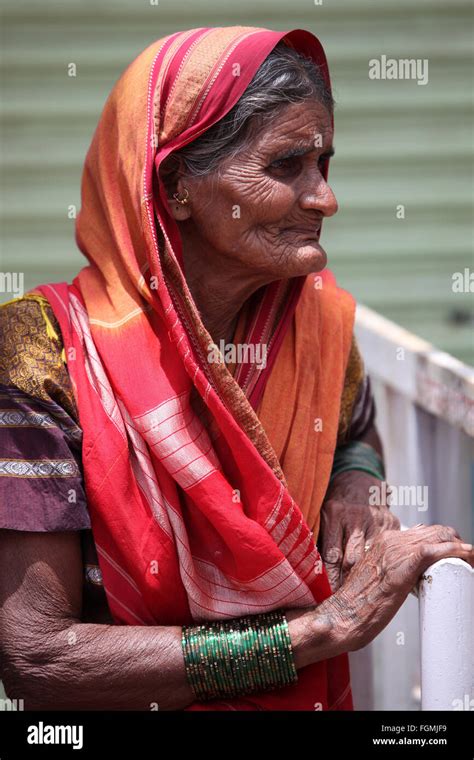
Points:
284	77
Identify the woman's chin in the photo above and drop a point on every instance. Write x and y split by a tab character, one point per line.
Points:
310	257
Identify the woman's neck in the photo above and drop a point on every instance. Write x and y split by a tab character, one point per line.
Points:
218	305
219	291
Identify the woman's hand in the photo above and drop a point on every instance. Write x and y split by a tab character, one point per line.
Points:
379	583
349	522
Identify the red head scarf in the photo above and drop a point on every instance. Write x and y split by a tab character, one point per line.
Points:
190	510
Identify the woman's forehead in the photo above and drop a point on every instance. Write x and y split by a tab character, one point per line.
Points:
301	127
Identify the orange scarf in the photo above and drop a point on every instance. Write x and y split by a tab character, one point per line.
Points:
302	398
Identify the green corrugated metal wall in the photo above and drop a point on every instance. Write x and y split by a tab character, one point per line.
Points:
397	142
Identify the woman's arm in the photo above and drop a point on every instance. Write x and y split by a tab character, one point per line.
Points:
53	661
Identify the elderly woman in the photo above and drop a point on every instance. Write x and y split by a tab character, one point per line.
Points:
186	527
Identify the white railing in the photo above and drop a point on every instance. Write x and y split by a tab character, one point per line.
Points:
446	597
425	414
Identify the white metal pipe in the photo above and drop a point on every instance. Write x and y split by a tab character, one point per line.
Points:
446	596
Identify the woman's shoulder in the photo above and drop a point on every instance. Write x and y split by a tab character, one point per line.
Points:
32	358
41	486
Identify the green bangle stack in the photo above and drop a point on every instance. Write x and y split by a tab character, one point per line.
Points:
358	456
236	657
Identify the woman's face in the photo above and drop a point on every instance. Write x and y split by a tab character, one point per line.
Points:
262	212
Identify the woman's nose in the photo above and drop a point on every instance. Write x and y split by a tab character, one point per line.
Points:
320	198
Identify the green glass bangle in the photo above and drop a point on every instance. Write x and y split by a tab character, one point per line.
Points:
358	456
237	657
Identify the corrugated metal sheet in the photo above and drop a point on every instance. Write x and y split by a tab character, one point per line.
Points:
397	142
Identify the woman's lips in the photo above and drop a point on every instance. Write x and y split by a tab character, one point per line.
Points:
312	232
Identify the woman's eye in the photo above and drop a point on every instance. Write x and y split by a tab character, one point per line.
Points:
286	165
292	165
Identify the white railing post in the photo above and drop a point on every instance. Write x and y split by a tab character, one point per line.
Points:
446	596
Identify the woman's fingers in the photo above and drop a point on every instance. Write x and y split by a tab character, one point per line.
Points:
332	562
444	533
425	543
458	549
332	546
353	552
432	534
392	522
382	519
375	589
437	542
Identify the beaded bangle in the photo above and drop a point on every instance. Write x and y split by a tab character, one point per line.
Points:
236	657
358	456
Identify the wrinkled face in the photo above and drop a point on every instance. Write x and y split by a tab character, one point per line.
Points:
263	211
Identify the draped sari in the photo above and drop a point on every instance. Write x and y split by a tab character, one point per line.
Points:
204	486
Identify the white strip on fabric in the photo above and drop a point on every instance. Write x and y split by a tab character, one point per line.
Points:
117	567
145	474
179	440
120	322
95	371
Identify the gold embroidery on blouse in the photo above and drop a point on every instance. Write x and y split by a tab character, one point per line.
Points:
31	352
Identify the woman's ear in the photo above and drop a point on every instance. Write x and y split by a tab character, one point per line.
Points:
171	172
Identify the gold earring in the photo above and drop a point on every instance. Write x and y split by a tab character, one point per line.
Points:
182	201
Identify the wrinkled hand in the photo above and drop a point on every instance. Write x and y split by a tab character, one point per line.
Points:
380	582
349	523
